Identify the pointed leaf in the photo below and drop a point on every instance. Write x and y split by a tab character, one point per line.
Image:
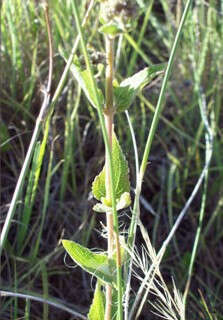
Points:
126	92
83	78
114	310
97	309
121	174
89	89
95	263
98	186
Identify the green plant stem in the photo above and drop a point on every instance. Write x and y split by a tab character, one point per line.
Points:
109	216
109	153
109	47
108	115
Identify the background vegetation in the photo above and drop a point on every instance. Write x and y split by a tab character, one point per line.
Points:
53	203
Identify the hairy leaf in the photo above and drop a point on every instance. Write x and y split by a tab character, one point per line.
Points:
98	186
101	208
95	263
84	79
123	202
121	174
125	93
97	309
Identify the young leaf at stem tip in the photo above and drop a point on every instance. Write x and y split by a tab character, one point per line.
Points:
111	29
123	202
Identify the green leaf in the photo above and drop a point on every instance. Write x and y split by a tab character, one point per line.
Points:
123	202
111	29
83	78
97	309
121	174
95	263
101	208
123	97
126	92
98	186
114	310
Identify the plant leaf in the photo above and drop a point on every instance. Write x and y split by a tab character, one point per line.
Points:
125	93
98	186
95	263
114	310
101	208
84	80
110	28
121	174
123	202
97	309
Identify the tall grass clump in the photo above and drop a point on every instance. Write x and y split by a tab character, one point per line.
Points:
88	90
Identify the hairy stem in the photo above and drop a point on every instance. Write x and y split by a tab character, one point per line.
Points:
109	216
106	141
109	127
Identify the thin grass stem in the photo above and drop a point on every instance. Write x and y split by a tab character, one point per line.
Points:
209	140
134	144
